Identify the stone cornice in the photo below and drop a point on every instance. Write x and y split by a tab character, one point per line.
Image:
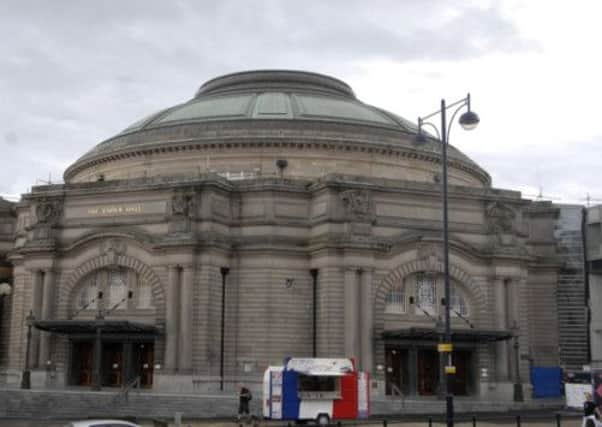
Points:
330	181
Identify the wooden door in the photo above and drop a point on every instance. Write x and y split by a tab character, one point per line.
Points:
112	359
147	361
392	370
82	363
462	361
428	372
396	371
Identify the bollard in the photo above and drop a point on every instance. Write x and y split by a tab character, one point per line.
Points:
384	423
338	424
430	421
557	420
474	421
518	421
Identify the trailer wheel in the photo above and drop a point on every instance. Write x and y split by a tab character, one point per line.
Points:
323	420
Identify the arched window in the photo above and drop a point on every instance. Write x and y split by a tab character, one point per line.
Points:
395	301
88	294
114	285
144	295
458	302
117	289
426	294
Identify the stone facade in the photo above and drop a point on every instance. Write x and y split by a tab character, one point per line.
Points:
356	206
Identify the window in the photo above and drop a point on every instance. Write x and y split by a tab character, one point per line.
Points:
318	387
88	293
395	301
117	289
115	284
426	295
458	303
145	297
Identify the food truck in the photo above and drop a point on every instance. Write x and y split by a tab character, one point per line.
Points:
317	389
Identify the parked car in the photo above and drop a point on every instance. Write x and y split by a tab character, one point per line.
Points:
101	423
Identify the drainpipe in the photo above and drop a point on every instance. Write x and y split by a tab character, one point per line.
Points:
224	271
314	275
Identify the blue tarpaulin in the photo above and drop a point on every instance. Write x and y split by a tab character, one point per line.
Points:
547	382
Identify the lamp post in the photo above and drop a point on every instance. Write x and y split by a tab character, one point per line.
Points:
518	385
26	379
468	120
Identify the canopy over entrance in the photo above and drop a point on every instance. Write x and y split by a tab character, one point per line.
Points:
107	352
458	335
83	327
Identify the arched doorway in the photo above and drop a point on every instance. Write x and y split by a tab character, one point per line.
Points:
117	303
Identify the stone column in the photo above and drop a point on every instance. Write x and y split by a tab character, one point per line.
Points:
366	322
47	300
185	329
36	307
501	323
172	303
351	315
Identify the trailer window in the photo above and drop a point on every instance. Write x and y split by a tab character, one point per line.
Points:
318	387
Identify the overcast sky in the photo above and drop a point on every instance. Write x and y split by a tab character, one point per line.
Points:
73	73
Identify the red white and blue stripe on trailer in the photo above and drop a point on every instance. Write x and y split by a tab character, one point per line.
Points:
293	408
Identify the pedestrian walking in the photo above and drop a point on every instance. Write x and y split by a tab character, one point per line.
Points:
244	397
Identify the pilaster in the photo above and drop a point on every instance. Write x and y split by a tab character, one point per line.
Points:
172	304
185	327
366	322
351	315
46	314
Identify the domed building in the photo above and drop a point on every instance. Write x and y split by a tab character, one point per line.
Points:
272	215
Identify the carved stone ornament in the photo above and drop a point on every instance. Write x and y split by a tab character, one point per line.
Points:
500	218
432	254
48	211
113	248
358	205
181	205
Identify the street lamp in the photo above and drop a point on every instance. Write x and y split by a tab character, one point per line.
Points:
26	379
469	120
518	386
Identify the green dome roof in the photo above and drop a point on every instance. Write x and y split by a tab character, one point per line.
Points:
274	95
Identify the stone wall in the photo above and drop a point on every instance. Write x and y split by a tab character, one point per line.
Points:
269	234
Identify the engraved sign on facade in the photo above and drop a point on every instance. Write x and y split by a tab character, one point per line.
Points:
116	210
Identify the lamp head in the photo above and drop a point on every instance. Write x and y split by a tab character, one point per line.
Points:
420	138
469	120
5	289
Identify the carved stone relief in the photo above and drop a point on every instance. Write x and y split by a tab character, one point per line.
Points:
113	249
358	205
48	214
500	223
432	254
180	211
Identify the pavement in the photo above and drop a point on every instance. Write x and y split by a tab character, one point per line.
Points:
527	419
